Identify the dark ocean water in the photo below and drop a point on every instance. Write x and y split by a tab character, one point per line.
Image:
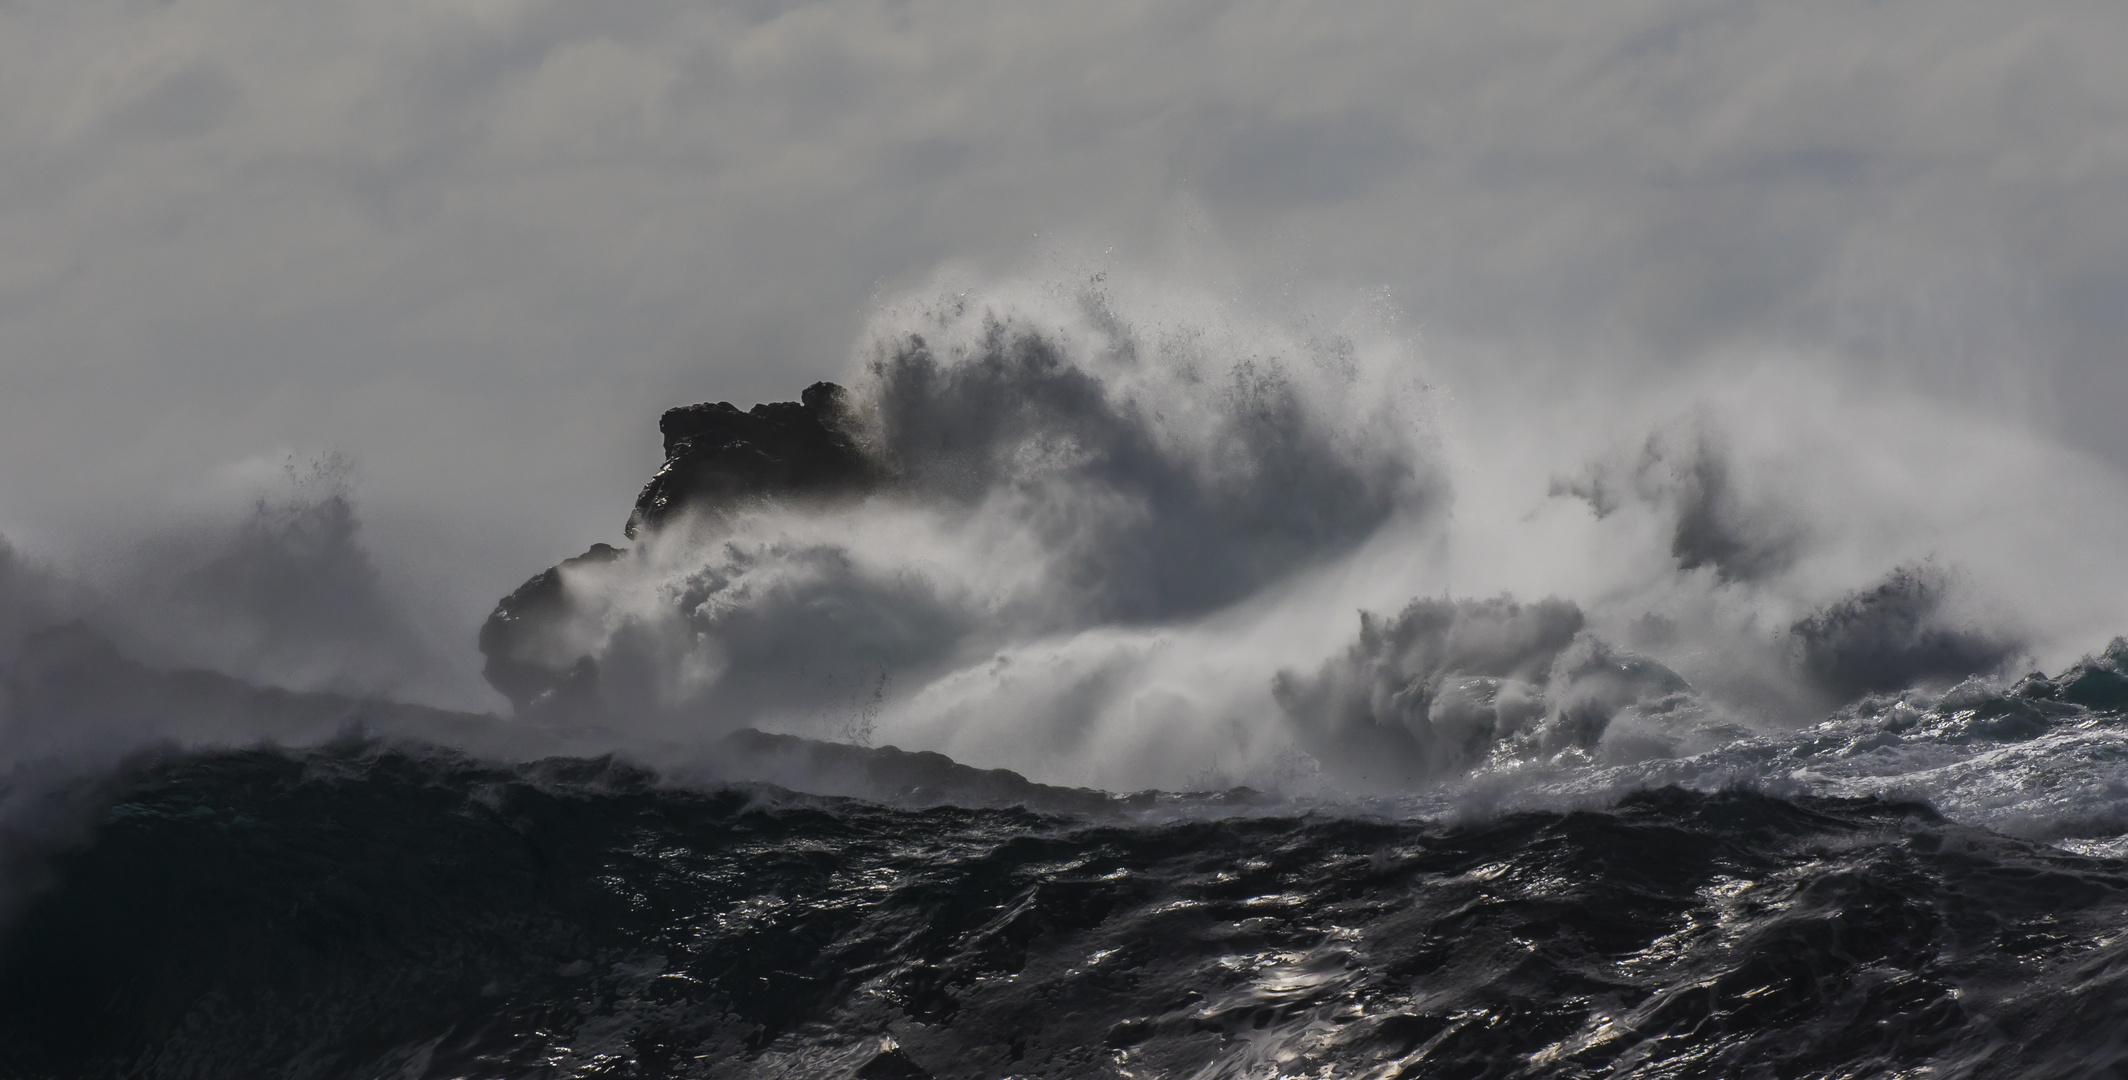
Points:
371	912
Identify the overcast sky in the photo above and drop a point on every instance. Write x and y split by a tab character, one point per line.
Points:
477	245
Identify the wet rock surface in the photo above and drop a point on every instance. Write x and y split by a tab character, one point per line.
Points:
717	459
520	664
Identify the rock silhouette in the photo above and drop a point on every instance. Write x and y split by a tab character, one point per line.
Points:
717	457
717	460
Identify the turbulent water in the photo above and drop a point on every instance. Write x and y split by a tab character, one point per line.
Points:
1691	732
366	912
379	908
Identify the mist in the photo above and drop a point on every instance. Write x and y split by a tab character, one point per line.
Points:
793	537
1233	367
473	247
1137	535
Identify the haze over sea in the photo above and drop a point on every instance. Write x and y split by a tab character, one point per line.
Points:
1472	539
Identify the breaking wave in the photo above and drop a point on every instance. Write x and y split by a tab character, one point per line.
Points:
1126	545
1684	728
367	913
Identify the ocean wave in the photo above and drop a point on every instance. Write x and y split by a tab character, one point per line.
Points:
370	912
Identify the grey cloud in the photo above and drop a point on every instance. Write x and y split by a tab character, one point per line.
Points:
1324	159
189	102
474	244
30	599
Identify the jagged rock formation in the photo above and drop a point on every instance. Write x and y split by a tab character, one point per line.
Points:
717	459
521	662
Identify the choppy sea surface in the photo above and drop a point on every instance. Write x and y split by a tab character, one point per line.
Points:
374	910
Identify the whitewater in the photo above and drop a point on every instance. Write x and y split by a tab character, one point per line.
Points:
1112	679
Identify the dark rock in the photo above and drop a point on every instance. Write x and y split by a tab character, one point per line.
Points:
717	457
515	641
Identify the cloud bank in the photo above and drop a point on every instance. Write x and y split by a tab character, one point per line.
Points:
471	244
